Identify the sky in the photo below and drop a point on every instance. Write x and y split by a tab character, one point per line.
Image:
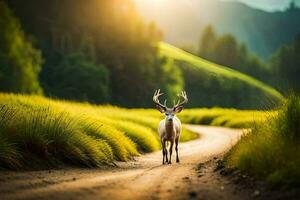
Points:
269	5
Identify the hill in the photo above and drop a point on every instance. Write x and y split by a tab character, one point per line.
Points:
209	84
183	21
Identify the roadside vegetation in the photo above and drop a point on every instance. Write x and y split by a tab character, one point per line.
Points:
36	131
271	150
232	118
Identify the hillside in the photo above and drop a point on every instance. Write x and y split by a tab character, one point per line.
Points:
263	32
218	84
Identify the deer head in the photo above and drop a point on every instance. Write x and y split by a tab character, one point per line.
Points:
170	112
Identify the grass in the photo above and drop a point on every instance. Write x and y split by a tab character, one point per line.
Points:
232	118
174	53
272	149
37	131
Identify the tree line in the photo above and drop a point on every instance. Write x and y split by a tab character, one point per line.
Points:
281	70
99	51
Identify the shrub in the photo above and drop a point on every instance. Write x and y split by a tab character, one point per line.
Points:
271	150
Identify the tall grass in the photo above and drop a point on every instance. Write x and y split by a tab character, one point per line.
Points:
272	149
36	131
224	117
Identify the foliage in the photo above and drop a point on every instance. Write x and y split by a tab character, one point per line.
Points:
271	150
207	42
224	117
20	62
78	78
225	50
172	81
286	66
209	84
36	131
129	54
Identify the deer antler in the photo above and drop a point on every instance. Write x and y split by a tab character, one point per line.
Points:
185	99
156	96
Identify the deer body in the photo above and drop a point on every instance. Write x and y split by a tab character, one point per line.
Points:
169	129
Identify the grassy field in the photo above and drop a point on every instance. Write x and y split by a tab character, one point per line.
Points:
272	149
37	131
232	118
210	84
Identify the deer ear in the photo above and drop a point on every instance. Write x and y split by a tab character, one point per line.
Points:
161	109
178	109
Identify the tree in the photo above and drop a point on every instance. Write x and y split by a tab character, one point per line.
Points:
130	54
207	42
172	81
286	65
76	76
20	62
226	50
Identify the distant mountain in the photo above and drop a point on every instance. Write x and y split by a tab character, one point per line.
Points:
183	20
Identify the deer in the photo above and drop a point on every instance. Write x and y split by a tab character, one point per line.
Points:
169	129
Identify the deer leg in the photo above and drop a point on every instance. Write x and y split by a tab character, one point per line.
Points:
170	150
166	150
163	143
176	149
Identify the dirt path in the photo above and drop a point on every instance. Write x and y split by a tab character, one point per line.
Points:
144	178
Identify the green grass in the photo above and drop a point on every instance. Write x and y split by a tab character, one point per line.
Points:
272	149
37	131
232	118
174	53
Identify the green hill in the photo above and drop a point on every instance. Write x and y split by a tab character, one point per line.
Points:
211	84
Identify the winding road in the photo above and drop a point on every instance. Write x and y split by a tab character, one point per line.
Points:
144	178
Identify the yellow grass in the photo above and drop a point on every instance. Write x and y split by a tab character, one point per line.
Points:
34	128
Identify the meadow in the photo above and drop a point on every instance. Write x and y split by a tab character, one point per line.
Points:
37	131
226	117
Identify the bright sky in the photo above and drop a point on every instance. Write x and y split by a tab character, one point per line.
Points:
269	5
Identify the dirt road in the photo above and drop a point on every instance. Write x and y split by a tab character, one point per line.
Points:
144	178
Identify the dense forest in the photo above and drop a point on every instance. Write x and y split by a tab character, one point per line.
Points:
88	53
102	51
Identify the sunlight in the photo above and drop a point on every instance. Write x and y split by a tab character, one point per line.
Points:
152	2
159	1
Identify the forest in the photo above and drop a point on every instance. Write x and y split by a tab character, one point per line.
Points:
88	58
